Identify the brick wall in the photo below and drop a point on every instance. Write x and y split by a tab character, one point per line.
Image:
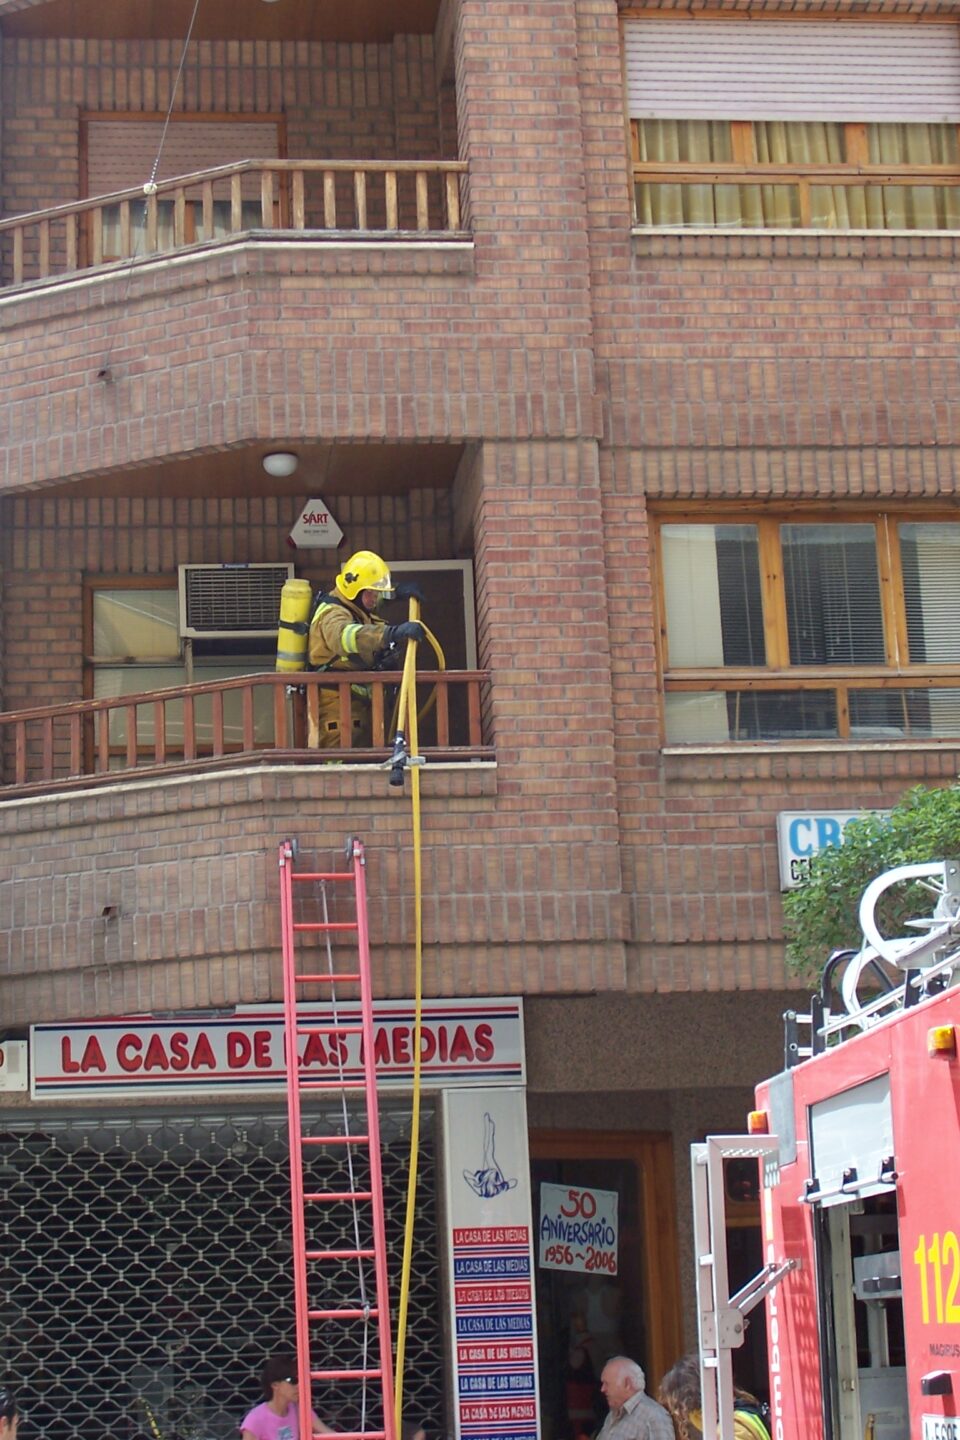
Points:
340	101
808	367
50	547
524	888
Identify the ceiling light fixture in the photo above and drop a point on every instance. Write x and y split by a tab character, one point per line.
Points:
280	463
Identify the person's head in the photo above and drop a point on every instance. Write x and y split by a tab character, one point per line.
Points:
365	577
8	1414
679	1393
620	1379
279	1378
412	1430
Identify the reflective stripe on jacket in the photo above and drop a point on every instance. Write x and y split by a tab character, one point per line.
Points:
343	636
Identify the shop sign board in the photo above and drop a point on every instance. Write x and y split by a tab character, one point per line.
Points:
466	1042
800	836
490	1264
578	1229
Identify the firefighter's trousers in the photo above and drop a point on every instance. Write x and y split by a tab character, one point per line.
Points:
325	733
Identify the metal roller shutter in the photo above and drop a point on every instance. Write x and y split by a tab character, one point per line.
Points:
147	1270
121	153
778	70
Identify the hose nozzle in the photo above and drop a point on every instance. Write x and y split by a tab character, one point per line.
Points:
398	760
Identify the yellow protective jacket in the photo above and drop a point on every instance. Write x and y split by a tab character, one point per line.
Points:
343	636
746	1425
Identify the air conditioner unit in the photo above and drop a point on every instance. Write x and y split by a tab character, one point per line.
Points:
13	1065
222	601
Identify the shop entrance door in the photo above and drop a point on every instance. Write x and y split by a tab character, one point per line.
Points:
585	1313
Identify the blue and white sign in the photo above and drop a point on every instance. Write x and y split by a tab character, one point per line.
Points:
490	1264
800	835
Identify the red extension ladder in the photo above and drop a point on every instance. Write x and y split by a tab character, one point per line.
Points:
302	965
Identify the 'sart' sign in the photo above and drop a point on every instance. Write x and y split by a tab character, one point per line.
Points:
463	1043
315	529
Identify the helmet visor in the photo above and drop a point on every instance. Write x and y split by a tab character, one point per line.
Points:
383	586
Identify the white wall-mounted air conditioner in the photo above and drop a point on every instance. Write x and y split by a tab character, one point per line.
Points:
13	1066
230	601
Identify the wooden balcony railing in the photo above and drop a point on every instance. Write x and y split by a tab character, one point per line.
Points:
222	723
360	197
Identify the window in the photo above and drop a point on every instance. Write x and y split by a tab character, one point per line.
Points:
119	153
135	647
834	628
773	124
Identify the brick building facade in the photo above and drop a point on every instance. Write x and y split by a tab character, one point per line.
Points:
526	377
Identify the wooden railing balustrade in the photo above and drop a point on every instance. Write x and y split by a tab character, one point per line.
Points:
226	722
360	197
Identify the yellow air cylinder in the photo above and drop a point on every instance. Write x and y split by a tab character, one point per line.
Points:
295	600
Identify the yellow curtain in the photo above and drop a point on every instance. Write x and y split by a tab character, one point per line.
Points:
913	207
682	141
795	142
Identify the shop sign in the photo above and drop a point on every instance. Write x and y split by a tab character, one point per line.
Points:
469	1042
490	1264
800	836
578	1229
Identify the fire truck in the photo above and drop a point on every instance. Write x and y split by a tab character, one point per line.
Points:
857	1142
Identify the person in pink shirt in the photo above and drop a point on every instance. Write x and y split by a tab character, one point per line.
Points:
278	1417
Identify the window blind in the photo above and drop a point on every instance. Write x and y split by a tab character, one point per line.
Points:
779	70
120	153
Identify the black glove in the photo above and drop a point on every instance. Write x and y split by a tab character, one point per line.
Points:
409	630
407	590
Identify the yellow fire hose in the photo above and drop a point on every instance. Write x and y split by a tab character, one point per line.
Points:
406	756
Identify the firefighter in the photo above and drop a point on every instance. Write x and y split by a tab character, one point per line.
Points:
346	633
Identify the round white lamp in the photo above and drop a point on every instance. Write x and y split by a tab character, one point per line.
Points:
280	463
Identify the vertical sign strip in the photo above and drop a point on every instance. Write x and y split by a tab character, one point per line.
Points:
490	1265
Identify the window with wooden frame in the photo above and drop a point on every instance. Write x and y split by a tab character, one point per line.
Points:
812	627
794	124
133	645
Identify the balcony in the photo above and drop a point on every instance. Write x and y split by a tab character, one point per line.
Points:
388	200
227	723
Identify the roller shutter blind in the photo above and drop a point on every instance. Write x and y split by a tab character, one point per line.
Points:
120	153
778	70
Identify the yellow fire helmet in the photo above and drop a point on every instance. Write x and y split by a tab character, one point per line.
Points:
364	571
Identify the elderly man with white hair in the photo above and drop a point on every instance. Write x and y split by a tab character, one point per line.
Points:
633	1415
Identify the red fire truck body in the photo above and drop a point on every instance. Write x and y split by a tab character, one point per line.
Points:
864	1334
859	1184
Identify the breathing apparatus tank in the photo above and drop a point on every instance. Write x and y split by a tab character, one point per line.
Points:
295	600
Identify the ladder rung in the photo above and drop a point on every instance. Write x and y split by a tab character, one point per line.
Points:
333	1084
334	1139
362	1434
340	1254
329	1029
339	1195
325	979
319	926
345	1375
370	1314
329	875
